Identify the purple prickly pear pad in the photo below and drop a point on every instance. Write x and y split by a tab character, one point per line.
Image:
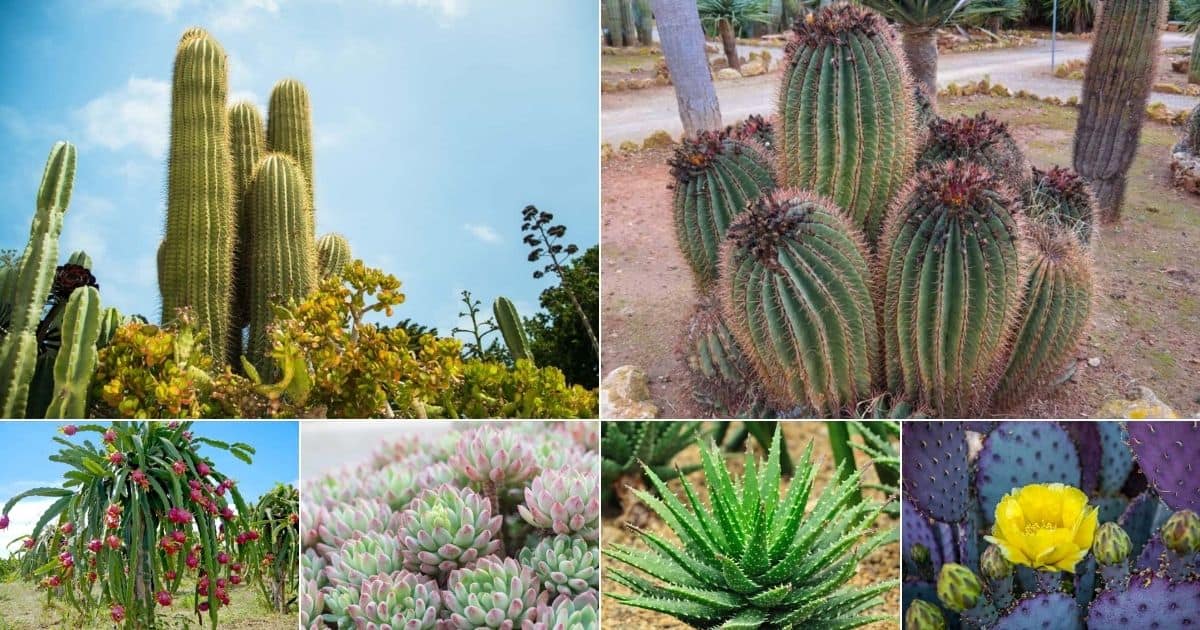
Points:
1150	602
1016	454
936	469
917	530
1168	453
1047	611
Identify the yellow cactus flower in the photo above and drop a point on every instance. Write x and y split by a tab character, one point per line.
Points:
1046	526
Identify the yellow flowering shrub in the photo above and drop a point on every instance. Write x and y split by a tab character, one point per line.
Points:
1048	527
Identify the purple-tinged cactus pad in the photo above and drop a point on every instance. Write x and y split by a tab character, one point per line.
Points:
1085	581
1115	460
1168	453
1151	556
918	531
1086	436
1016	454
979	426
1110	508
1142	519
935	468
1045	611
1149	602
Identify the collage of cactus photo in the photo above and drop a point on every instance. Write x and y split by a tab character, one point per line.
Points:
599	314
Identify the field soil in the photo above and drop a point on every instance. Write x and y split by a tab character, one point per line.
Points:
22	606
1146	319
884	564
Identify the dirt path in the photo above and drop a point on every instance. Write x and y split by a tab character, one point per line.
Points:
636	114
1146	324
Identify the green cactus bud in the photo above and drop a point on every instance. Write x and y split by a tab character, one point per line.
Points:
1181	532
333	254
509	323
1111	545
919	554
846	113
76	360
289	128
958	587
993	565
923	615
32	280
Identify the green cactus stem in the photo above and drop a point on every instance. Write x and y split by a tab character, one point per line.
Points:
76	360
290	130
1194	62
722	378
1116	85
1053	316
33	279
333	254
950	279
247	143
198	250
1060	198
846	116
80	258
279	247
513	331
715	177
796	295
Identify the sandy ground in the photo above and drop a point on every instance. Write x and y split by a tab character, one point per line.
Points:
883	564
633	115
1146	323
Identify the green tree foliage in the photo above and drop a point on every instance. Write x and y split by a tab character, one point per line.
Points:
558	335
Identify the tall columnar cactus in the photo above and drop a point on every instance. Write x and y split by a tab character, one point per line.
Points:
1054	313
247	143
32	279
197	258
76	360
333	253
1194	62
715	177
951	284
1116	85
645	22
796	294
846	113
280	252
509	323
289	128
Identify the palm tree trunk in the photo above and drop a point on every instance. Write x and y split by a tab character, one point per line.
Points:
729	43
920	49
683	49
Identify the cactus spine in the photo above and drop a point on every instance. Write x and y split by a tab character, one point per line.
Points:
796	294
950	281
1116	85
32	281
247	141
846	113
1054	313
76	360
289	128
509	323
333	253
198	250
280	250
715	176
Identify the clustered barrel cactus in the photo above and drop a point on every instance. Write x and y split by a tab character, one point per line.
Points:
754	555
1058	525
490	527
919	262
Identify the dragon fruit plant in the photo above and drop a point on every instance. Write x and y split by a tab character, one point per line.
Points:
754	555
273	563
494	526
1064	525
142	519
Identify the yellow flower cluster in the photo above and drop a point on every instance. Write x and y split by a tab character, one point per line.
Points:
1048	527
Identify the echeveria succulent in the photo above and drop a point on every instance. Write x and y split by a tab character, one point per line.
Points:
312	603
394	484
350	520
565	565
564	502
373	553
492	594
437	474
445	528
312	568
496	456
337	486
400	600
566	613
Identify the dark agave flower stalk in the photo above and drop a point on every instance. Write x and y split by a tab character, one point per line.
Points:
490	527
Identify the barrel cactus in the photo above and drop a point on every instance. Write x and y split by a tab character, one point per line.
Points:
721	375
797	296
846	114
715	176
981	139
1060	198
951	287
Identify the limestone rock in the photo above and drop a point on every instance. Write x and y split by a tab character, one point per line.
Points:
753	69
626	394
726	74
1144	406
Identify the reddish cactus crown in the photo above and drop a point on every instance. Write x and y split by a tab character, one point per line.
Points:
957	186
1066	184
833	24
766	223
693	156
966	134
755	128
69	277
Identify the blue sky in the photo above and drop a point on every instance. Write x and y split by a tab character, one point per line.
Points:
276	460
435	121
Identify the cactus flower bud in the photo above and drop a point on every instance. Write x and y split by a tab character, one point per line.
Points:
958	587
993	565
1181	532
1112	545
117	612
923	615
110	436
919	554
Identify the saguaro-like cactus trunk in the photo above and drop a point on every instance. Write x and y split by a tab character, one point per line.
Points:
247	142
290	130
611	16
198	250
1116	85
683	48
1194	64
645	22
628	23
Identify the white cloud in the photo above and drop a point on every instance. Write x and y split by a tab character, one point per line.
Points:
165	8
22	519
238	15
484	233
136	115
448	8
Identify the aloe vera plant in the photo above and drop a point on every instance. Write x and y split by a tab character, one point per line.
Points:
752	555
629	447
